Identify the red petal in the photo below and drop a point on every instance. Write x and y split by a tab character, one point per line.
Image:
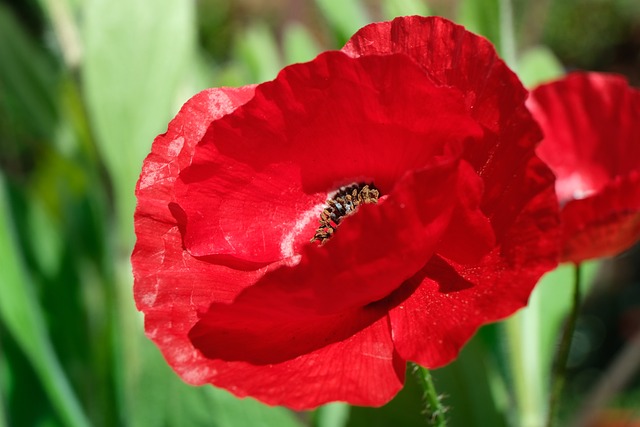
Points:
604	224
260	177
159	263
343	287
454	57
362	370
432	322
452	300
328	295
171	287
265	334
451	56
470	235
591	123
518	191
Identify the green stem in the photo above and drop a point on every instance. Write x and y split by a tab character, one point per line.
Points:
560	369
433	406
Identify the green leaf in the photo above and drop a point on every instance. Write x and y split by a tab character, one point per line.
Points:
136	55
234	74
494	20
345	17
49	242
234	412
532	336
481	17
3	411
538	65
394	8
165	401
332	415
470	386
406	409
21	314
60	14
28	85
257	47
299	44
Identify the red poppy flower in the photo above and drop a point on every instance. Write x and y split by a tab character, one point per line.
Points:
591	123
418	135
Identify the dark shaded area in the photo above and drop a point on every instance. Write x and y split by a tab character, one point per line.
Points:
609	318
600	35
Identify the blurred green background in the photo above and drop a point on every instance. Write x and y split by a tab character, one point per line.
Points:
85	86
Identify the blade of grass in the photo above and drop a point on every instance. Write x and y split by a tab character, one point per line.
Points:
405	409
523	340
20	312
170	402
481	17
470	387
559	371
136	56
531	336
345	17
60	16
538	65
298	43
494	20
507	44
257	47
394	8
233	412
332	415
3	412
28	78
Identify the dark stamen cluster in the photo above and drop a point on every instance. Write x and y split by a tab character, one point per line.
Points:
343	203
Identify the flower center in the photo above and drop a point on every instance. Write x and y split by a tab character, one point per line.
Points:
344	203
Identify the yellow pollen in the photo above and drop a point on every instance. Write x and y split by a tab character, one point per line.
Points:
344	203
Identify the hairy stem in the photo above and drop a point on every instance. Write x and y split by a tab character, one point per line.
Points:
433	405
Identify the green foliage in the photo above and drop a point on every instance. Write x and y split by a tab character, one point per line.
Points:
468	385
73	349
393	8
22	316
345	17
481	17
538	65
28	78
532	339
584	33
135	57
406	409
257	48
332	415
164	400
299	44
